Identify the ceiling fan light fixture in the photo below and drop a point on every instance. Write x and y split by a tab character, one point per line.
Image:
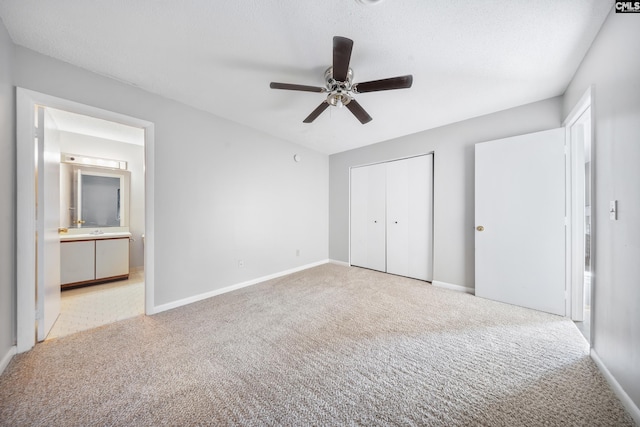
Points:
338	99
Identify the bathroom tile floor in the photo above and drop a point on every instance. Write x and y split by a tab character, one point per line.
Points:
97	305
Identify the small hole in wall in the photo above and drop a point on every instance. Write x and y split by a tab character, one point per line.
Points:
296	157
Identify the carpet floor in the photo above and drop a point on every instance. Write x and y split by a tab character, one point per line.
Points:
330	345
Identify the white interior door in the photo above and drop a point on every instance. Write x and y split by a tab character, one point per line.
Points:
409	217
368	215
48	220
520	220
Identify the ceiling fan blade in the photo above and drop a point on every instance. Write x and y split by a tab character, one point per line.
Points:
315	113
401	82
289	86
341	57
358	111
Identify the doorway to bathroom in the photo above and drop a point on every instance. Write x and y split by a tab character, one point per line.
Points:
101	182
42	208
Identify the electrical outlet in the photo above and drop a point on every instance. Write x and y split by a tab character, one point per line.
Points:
240	263
297	252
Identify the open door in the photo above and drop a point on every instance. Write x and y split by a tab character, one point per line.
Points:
520	220
48	220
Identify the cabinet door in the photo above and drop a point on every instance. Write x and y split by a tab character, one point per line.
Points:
368	217
112	258
77	261
409	217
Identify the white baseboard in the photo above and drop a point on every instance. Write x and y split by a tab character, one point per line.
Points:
200	297
628	404
342	263
7	358
453	287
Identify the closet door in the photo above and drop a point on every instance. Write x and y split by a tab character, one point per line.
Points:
368	192
409	217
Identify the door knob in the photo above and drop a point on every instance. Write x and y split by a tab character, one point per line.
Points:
480	228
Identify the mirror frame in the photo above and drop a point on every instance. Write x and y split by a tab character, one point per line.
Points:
74	198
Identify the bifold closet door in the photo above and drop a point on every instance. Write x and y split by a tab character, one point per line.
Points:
409	217
368	206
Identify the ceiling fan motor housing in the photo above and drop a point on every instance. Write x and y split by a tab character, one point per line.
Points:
340	93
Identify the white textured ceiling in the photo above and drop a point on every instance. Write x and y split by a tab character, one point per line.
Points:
467	57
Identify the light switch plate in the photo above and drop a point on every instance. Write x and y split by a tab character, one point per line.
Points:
613	210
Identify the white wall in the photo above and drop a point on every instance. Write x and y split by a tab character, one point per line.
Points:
612	65
223	192
7	196
453	148
74	143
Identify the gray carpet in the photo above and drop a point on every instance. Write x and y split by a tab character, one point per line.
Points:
327	346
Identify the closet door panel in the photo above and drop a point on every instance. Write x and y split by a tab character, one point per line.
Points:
409	217
398	218
368	193
421	217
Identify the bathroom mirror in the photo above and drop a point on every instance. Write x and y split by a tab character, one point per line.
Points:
92	197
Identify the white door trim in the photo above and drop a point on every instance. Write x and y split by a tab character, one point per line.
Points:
26	100
574	257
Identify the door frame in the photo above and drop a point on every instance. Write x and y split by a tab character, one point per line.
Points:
26	249
575	303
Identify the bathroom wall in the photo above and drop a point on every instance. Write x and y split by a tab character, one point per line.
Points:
74	143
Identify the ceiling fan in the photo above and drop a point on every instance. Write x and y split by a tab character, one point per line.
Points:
340	86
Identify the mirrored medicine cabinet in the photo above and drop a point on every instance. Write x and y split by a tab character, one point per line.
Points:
93	197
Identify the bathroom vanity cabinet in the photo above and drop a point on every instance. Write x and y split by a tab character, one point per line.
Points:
86	259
